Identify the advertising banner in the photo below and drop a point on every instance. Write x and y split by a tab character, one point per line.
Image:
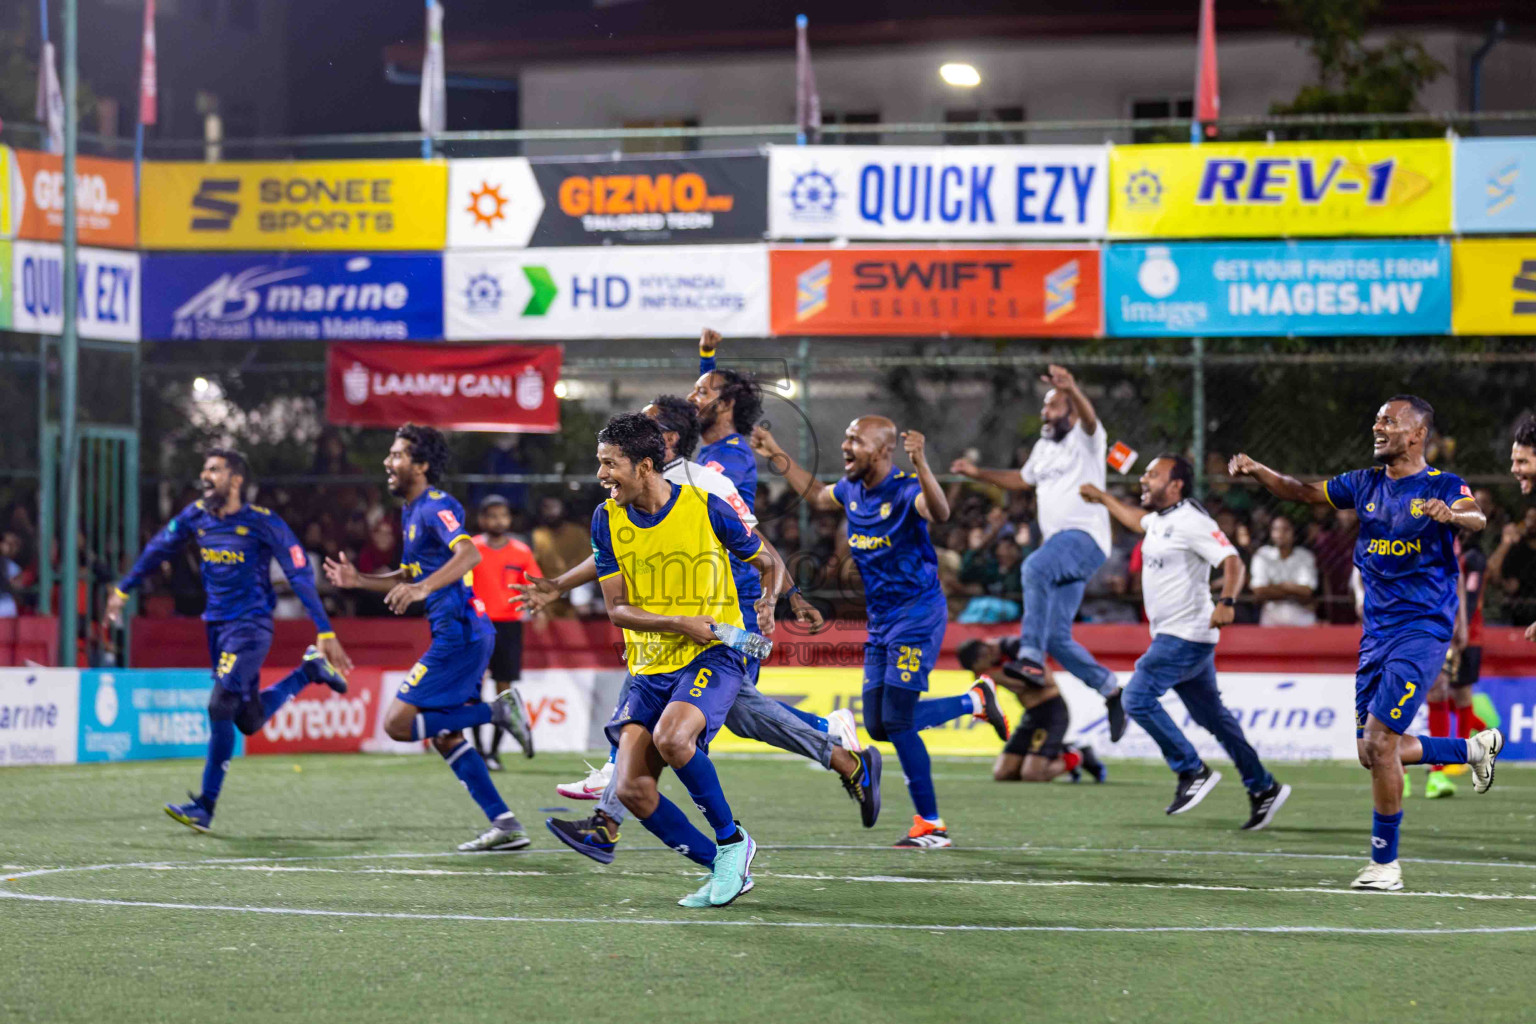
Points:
6	292
336	204
12	193
1495	185
321	721
139	714
1495	286
1277	288
834	291
941	192
39	715
105	211
1515	700
294	296
500	202
1284	189
606	292
106	290
456	387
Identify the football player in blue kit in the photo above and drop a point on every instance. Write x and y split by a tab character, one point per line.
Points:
1409	515
237	543
435	565
888	512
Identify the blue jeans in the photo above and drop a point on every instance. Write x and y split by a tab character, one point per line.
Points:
1054	578
1190	670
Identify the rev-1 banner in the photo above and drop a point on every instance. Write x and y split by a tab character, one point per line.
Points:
458	387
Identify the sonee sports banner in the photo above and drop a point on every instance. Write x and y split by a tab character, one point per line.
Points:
457	387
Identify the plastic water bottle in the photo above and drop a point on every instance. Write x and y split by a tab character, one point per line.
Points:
746	642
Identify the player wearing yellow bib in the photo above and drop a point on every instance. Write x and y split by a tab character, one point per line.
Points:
665	568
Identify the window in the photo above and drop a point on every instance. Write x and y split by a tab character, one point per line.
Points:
663	145
998	114
1153	108
831	137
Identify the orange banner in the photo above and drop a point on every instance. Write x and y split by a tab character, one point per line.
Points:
1044	292
105	210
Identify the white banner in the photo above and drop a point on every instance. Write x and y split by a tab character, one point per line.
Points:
606	292
107	291
939	192
39	715
493	202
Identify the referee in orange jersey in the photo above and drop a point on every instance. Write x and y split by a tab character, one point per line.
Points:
505	562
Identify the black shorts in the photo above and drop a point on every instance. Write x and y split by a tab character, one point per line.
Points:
507	656
1471	667
1042	731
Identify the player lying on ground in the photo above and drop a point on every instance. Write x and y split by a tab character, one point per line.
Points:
237	543
1409	514
1037	750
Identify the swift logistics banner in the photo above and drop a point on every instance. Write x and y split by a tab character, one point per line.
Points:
1495	185
456	387
1495	286
499	202
924	291
337	204
294	296
107	291
32	199
1256	190
1277	288
606	292
941	192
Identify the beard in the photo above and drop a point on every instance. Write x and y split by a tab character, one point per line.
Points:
1056	429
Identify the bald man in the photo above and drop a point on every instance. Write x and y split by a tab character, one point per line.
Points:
888	512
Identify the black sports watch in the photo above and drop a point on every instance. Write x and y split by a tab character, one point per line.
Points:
1230	602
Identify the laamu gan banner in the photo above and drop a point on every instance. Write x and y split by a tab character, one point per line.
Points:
457	387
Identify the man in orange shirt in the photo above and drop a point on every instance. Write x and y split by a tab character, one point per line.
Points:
505	562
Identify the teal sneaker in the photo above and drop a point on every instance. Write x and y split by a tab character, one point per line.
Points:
732	872
701	898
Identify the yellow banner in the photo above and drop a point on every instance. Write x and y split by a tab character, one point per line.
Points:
1493	286
822	691
337	204
1255	190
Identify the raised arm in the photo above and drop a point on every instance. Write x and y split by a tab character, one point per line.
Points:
799	479
1060	378
932	504
161	547
1278	484
1007	479
709	340
1126	515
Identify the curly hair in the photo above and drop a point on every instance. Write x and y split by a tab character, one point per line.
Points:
1525	431
428	447
677	414
746	397
638	437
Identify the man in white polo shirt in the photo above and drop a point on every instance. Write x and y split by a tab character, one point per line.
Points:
1075	535
1180	546
1284	578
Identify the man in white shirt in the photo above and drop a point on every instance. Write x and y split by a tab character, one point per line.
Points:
1181	543
1075	535
1284	578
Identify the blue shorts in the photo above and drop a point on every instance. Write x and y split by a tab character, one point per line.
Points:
450	673
236	650
902	654
709	682
1394	676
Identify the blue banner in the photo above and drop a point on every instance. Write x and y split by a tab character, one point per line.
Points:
1277	288
293	297
1495	185
1515	700
140	714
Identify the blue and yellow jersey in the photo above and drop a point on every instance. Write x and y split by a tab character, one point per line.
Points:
236	552
434	526
676	562
732	456
892	548
1407	561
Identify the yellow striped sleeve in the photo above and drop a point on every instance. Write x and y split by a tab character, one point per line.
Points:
462	536
1327	495
758	551
616	572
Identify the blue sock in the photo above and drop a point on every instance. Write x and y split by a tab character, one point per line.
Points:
281	692
671	826
814	721
916	767
930	713
221	747
428	724
469	766
698	776
1443	750
1384	836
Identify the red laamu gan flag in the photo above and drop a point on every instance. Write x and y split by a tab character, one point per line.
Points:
149	89
1207	89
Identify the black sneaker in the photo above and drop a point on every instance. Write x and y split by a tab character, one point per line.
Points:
1092	765
991	711
864	787
1192	788
1116	708
589	836
1265	805
1027	669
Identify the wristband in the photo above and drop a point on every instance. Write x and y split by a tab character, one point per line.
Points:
120	593
1230	602
327	635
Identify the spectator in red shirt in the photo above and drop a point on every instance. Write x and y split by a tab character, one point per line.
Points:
505	563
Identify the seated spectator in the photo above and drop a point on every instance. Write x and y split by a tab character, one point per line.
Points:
1512	569
1334	549
381	554
10	569
1284	579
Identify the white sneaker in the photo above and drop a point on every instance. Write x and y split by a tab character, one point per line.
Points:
1379	877
590	789
841	724
505	833
1482	750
